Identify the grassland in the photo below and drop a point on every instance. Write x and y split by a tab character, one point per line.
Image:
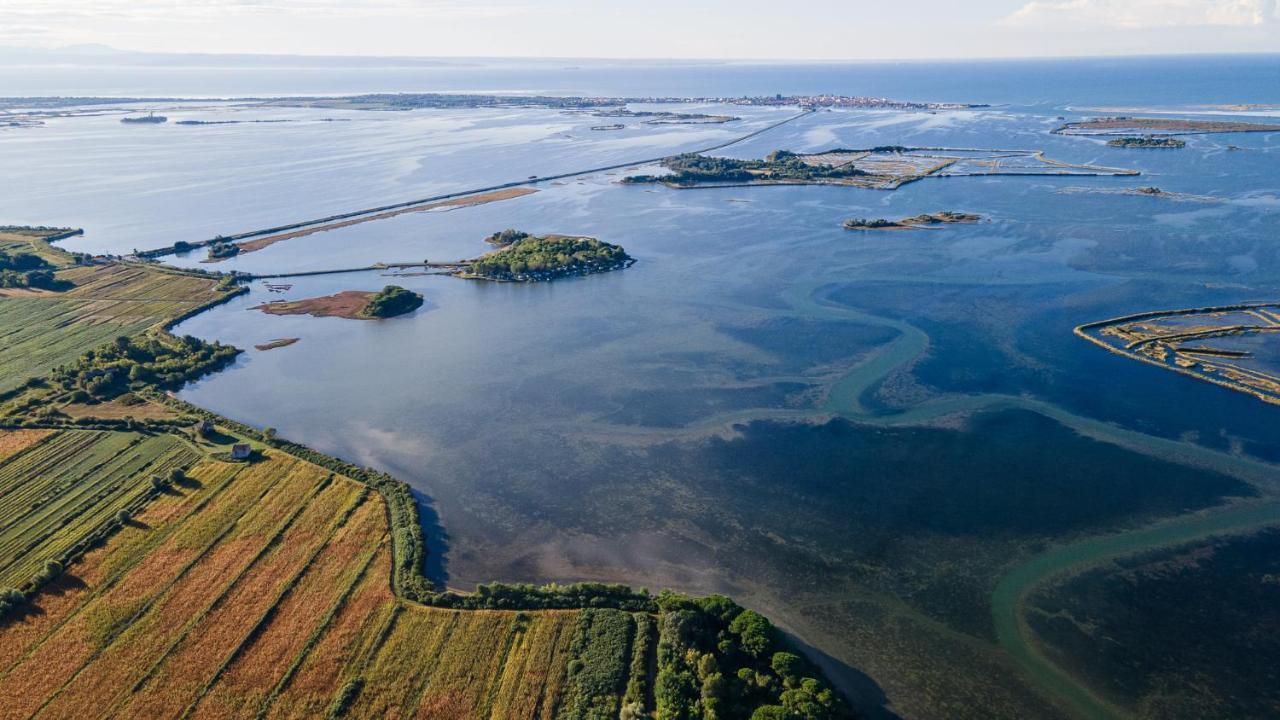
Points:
16	240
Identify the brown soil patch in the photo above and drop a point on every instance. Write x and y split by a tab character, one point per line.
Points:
346	304
14	441
278	342
116	410
467	201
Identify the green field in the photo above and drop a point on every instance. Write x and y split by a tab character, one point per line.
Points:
39	331
57	493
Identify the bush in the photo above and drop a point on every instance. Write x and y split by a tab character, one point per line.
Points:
346	698
10	599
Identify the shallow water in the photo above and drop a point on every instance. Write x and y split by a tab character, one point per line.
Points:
672	424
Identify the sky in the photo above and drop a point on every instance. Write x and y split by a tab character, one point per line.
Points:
722	29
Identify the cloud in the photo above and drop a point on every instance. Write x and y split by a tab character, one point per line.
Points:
1146	13
179	10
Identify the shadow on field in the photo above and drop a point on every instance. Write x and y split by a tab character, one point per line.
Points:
862	692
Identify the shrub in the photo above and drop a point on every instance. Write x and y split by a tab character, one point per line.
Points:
346	698
10	599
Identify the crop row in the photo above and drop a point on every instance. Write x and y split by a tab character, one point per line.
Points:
37	334
62	491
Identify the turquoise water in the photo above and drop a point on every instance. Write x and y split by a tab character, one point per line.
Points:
858	432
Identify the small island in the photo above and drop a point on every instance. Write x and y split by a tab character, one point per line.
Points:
148	119
923	220
663	117
277	343
1147	141
391	301
522	257
1123	125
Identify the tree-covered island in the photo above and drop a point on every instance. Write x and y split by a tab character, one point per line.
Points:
1147	141
781	166
522	257
945	217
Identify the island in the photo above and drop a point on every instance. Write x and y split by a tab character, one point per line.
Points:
391	301
885	167
663	117
148	119
917	221
526	258
1123	125
277	343
1145	191
1147	141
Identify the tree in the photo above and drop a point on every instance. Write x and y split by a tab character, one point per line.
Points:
756	634
788	666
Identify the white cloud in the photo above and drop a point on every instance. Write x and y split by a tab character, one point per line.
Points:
1146	13
179	10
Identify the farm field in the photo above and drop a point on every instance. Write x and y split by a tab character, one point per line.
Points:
59	491
264	589
15	241
39	331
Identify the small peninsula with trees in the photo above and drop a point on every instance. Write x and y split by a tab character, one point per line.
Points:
523	257
392	300
946	217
